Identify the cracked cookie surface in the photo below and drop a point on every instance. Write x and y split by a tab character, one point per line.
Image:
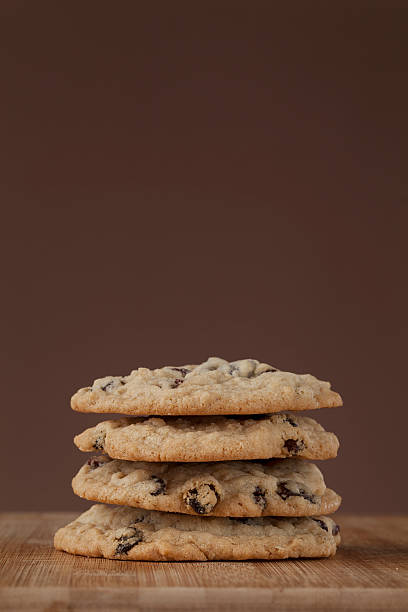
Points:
216	386
281	487
208	438
145	535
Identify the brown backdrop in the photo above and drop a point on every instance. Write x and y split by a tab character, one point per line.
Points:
187	179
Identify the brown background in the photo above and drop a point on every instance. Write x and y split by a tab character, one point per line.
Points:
187	179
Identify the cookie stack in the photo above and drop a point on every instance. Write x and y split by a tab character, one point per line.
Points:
215	472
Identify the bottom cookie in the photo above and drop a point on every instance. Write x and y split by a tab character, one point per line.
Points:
146	535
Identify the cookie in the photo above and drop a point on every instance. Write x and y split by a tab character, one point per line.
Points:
213	387
210	438
281	487
145	535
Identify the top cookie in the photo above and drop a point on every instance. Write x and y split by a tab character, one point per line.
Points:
213	387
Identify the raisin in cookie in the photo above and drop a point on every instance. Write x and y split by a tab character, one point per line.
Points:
210	438
281	487
146	535
213	387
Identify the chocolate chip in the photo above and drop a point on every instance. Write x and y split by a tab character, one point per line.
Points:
193	497
111	384
127	542
161	486
321	523
183	371
336	530
192	501
259	497
100	441
289	419
176	383
308	496
123	547
270	370
294	446
107	386
94	463
284	492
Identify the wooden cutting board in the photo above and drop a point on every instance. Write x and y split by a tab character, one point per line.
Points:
370	572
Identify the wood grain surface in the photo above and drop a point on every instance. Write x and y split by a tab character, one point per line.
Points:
369	572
